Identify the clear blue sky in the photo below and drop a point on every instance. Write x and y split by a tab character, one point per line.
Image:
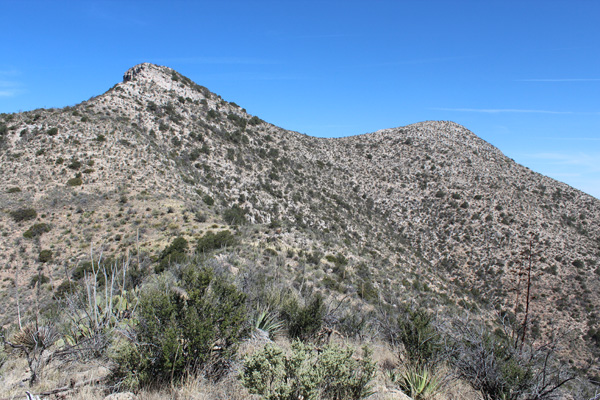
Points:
523	75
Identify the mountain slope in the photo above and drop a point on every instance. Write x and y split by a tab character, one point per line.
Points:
426	211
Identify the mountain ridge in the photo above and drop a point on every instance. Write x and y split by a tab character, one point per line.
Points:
429	208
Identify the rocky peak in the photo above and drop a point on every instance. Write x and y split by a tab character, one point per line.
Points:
144	70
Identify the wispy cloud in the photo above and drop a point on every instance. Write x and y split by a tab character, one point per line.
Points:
578	169
560	80
586	160
9	72
8	93
9	88
578	139
503	110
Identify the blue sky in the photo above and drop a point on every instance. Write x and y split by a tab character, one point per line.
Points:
523	75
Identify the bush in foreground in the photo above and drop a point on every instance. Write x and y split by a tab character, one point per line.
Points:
330	373
185	324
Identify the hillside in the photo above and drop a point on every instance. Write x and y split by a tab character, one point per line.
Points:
427	211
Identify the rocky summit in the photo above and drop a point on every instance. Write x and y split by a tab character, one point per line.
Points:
426	213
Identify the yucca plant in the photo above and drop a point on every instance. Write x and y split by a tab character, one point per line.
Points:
419	383
267	321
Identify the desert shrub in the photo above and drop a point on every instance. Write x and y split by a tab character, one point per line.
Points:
173	253
314	257
364	284
578	264
237	120
194	154
41	279
32	341
37	230
212	241
208	200
500	369
66	288
329	373
14	190
303	322
23	214
75	164
235	215
199	216
84	268
45	256
416	332
75	182
184	324
52	132
212	114
255	121
152	107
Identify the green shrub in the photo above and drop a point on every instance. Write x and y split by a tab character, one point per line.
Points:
330	373
173	253
66	288
75	182
182	326
52	132
213	241
314	257
37	230
45	256
364	284
208	200
23	214
14	190
41	278
421	340
255	121
74	165
237	121
212	114
304	322
235	215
